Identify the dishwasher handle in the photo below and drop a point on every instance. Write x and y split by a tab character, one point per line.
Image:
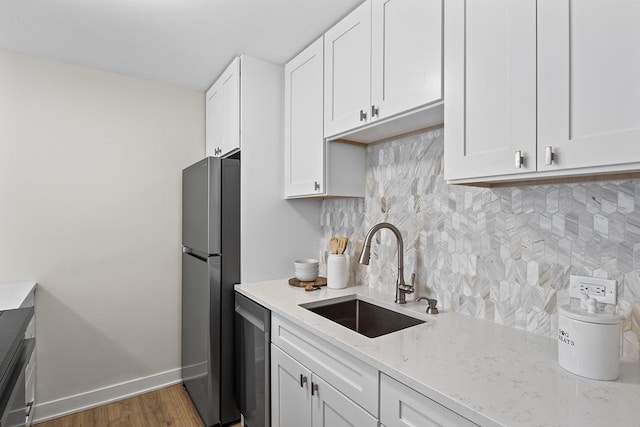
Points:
259	316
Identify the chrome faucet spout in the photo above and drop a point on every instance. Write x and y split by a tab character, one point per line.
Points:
401	288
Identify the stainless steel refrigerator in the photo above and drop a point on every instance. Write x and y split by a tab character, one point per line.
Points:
210	268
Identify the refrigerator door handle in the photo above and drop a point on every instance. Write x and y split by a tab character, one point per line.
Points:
189	251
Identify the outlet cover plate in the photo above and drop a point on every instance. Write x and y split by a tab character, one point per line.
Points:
603	290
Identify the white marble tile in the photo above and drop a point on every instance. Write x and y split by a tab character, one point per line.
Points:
563	228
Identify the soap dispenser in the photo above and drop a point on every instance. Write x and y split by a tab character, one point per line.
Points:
589	338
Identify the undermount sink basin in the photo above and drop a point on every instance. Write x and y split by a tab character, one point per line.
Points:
361	316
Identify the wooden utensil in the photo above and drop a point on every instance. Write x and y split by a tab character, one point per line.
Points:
342	244
333	245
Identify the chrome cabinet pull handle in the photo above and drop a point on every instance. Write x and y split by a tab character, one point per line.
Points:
374	111
363	115
303	380
519	159
316	185
549	155
314	388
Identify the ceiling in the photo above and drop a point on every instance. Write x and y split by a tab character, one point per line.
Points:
182	42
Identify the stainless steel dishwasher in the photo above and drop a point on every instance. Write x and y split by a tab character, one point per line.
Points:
253	362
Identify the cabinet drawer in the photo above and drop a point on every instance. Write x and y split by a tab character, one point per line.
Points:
351	376
402	406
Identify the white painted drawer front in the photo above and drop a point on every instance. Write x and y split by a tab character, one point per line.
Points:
346	373
401	406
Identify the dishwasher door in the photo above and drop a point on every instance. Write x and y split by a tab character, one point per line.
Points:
253	370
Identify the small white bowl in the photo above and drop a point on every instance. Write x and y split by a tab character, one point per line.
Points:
306	276
306	269
305	264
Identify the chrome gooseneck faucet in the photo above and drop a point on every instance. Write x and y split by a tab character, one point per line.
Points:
402	289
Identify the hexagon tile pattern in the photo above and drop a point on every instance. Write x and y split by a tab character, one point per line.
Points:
502	254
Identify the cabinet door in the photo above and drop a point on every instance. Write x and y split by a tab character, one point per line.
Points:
406	54
400	406
303	123
330	408
223	112
347	72
290	391
588	84
230	88
349	374
213	118
490	107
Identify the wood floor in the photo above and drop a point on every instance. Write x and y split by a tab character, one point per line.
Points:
169	406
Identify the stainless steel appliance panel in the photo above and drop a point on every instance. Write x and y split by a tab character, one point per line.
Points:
201	206
198	366
209	273
253	366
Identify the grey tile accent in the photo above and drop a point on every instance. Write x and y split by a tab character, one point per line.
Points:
501	254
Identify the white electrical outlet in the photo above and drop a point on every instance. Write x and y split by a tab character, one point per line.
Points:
603	290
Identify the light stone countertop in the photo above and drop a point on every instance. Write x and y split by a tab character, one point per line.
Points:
491	374
13	294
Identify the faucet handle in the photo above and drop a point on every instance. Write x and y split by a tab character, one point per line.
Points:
407	289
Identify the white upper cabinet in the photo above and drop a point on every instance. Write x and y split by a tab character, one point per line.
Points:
223	113
347	71
406	55
314	167
383	59
303	123
554	80
588	83
490	68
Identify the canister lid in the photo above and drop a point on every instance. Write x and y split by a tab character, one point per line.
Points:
584	316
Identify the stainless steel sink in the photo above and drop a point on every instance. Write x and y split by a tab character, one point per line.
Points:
361	316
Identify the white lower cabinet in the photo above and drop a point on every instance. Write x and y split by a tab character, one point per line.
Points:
357	380
290	391
330	408
301	398
316	384
401	406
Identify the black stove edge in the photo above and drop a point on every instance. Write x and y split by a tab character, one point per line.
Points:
13	324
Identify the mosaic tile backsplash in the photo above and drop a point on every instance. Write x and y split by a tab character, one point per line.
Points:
501	254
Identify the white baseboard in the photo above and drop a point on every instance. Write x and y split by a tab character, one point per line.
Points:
79	402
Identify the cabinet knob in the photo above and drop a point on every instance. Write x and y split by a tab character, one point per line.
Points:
519	159
316	185
314	388
363	115
549	156
303	380
374	111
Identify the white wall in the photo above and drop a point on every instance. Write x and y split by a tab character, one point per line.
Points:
90	190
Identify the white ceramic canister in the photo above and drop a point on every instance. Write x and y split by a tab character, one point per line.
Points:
337	273
589	343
